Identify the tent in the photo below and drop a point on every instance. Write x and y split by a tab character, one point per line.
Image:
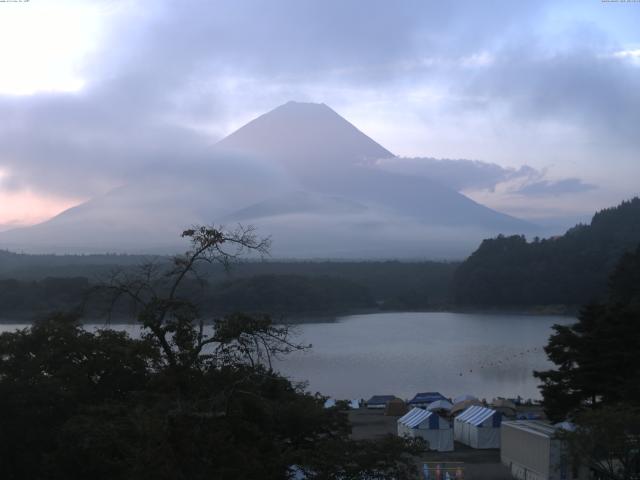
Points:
329	403
425	398
380	401
428	426
504	406
444	405
462	398
459	407
396	408
478	427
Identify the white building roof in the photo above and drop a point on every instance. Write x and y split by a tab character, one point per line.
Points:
462	398
415	417
440	404
475	415
535	427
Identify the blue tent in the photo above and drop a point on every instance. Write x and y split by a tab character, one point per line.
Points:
380	401
429	426
425	398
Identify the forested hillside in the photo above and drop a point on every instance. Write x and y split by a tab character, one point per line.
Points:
37	285
568	270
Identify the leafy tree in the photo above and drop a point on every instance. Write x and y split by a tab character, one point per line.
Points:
607	441
51	372
597	380
569	270
187	401
596	357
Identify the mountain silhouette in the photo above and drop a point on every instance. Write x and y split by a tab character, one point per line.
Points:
300	173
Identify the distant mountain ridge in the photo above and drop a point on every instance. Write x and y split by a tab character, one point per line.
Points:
300	173
571	269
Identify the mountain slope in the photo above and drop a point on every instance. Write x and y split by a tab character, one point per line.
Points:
300	173
570	270
307	137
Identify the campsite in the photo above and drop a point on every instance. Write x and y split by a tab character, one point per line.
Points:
467	443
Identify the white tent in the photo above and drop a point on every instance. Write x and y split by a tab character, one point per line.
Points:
463	398
440	405
329	403
478	427
427	425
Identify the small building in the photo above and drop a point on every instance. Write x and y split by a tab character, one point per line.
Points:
430	426
478	427
380	401
422	400
531	450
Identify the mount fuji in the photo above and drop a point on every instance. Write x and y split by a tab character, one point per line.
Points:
300	173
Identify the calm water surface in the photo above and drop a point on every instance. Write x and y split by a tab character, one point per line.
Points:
358	356
404	353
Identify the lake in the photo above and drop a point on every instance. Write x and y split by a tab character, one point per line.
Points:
357	356
486	355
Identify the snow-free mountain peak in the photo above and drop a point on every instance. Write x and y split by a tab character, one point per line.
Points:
304	136
300	173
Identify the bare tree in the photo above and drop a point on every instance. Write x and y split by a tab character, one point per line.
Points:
159	295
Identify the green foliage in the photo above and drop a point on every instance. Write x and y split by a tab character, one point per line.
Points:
286	294
183	402
607	441
29	298
280	288
567	270
597	357
49	374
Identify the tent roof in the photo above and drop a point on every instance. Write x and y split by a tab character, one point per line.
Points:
568	426
415	417
440	405
380	399
503	403
427	397
464	405
463	398
476	415
329	403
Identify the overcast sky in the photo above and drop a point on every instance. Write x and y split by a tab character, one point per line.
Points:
540	98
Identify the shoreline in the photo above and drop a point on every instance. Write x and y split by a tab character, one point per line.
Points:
330	317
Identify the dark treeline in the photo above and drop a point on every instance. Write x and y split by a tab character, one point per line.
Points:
504	272
280	288
570	270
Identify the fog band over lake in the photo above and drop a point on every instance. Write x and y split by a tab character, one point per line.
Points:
358	356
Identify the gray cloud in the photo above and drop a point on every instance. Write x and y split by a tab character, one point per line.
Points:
168	68
459	174
560	187
584	88
472	175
